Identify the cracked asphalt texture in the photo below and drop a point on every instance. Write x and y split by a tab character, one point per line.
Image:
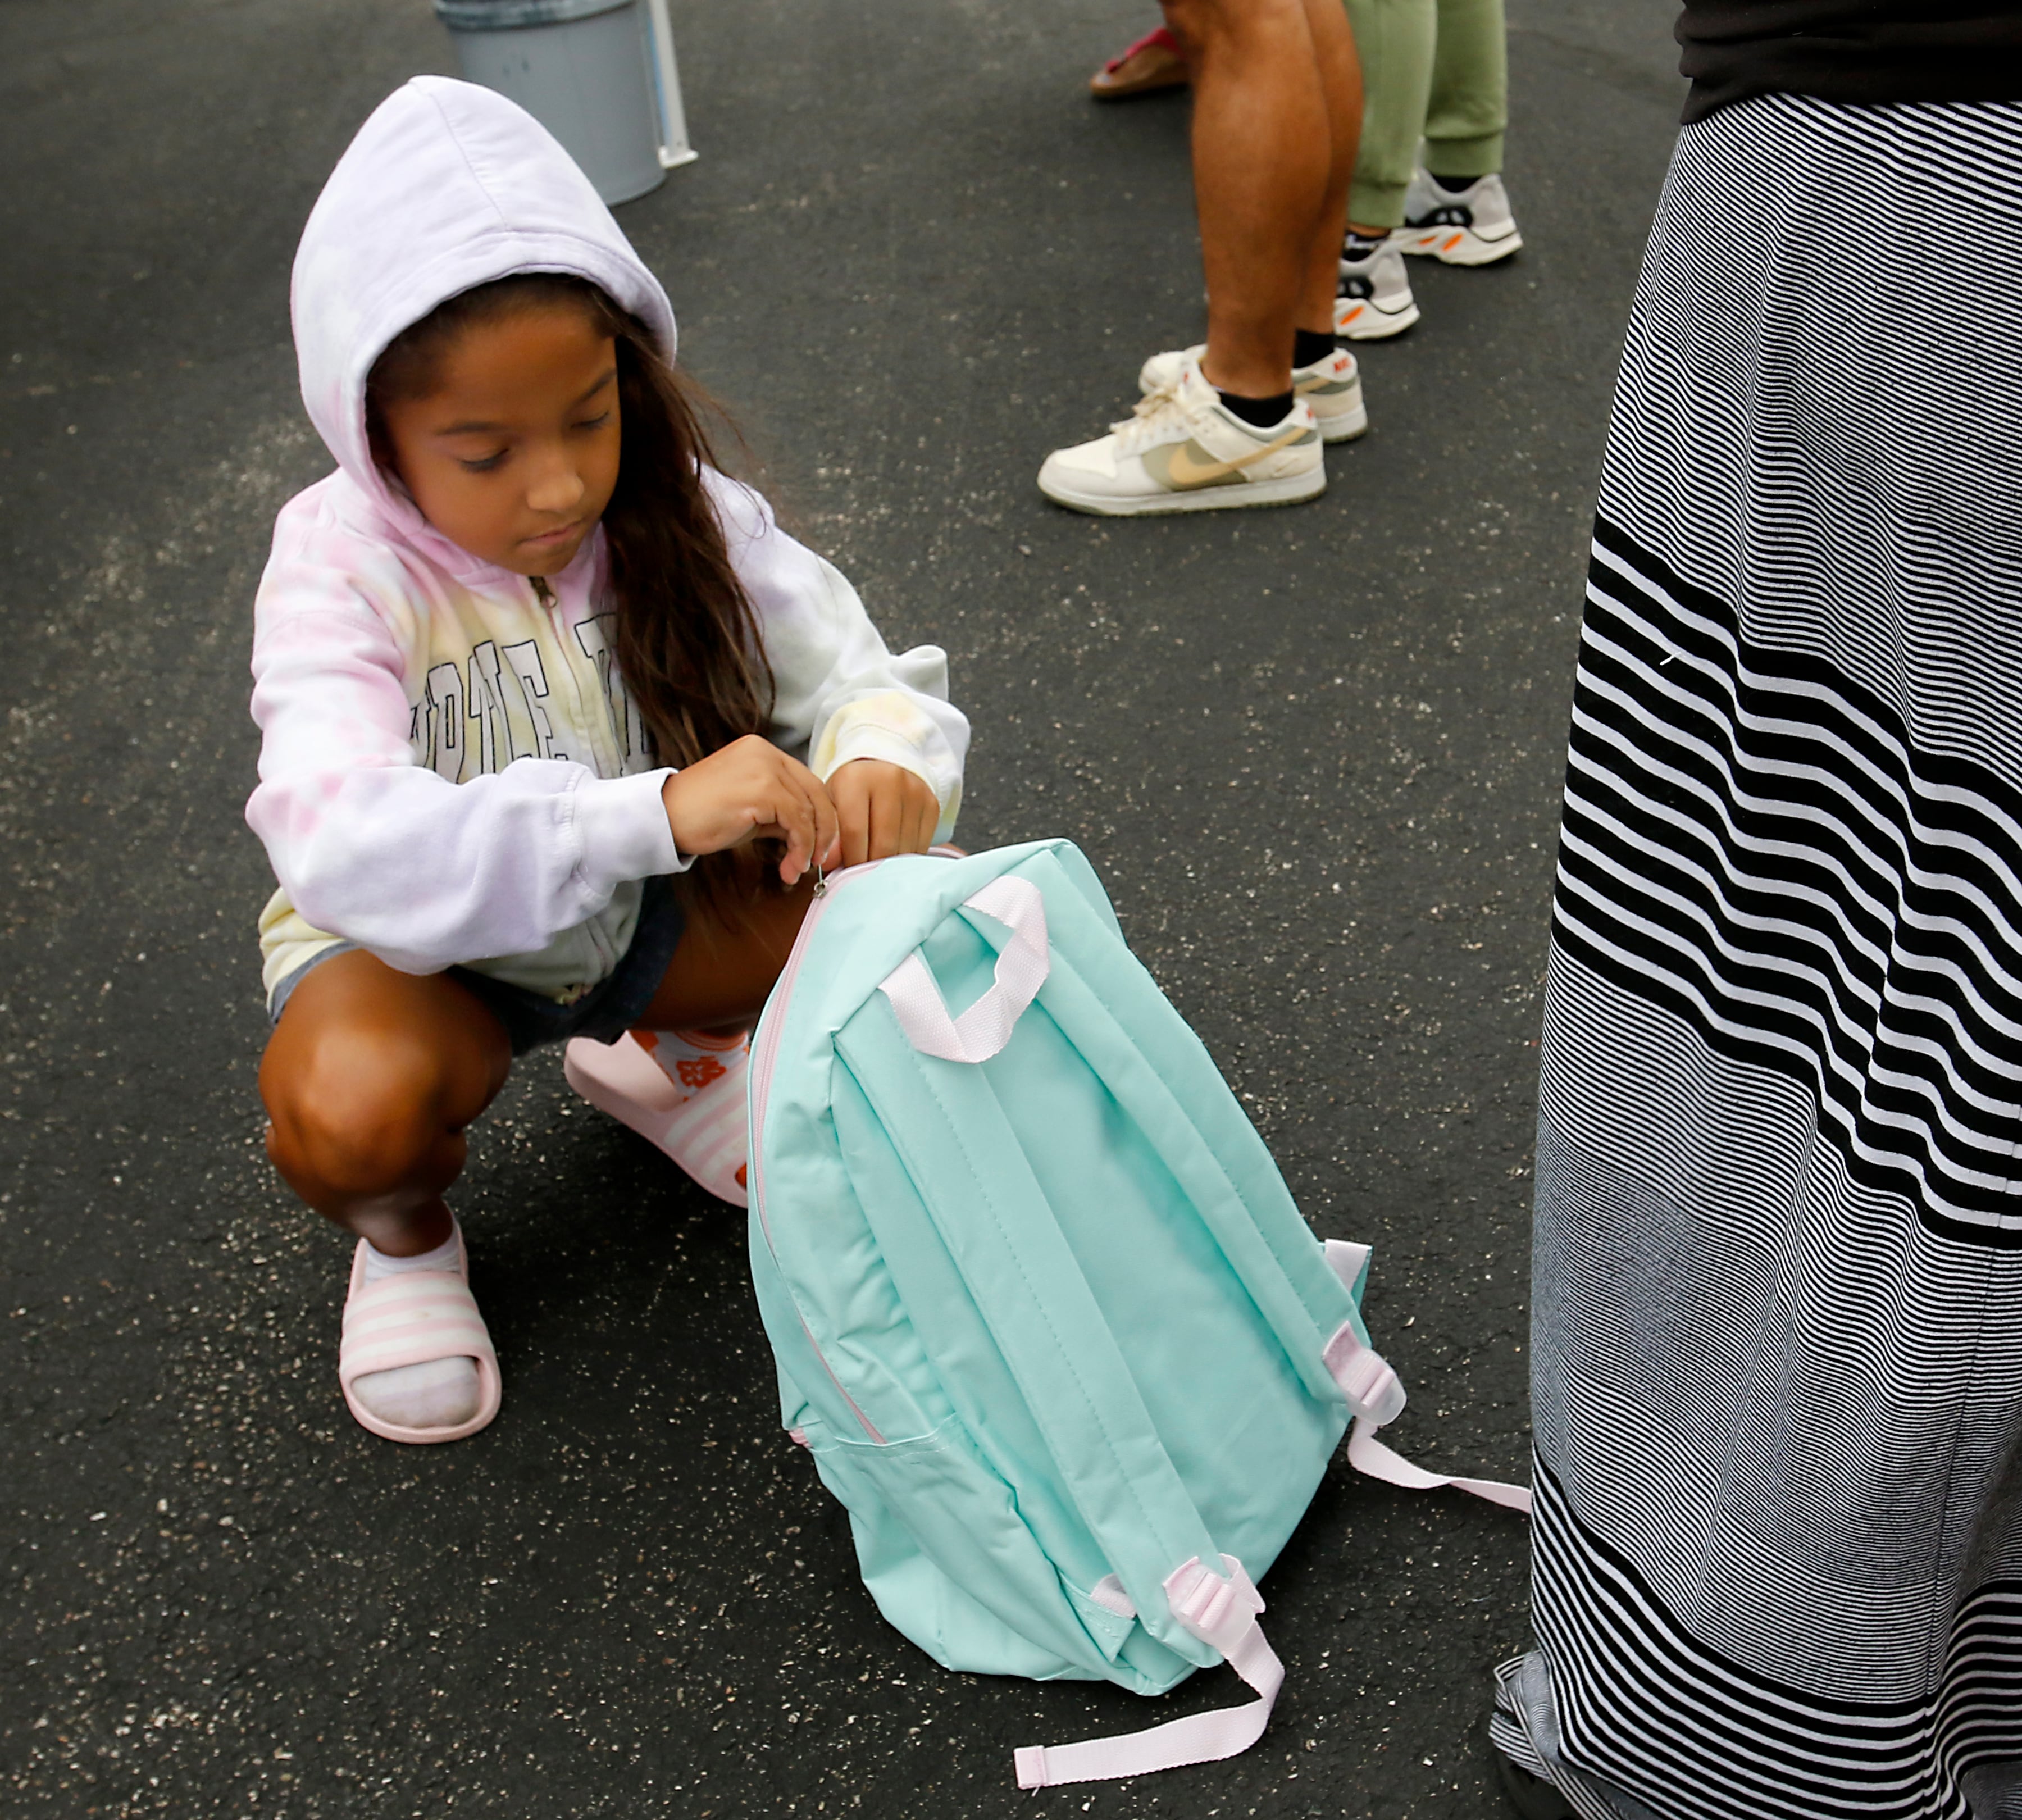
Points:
1314	752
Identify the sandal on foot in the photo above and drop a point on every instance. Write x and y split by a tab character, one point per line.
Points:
1154	61
704	1132
415	1318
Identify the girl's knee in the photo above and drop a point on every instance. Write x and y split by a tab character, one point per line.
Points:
355	1114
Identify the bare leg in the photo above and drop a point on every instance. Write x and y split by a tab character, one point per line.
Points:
1341	83
726	966
372	1075
1277	106
369	1079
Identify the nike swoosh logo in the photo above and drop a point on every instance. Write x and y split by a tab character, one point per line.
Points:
1183	471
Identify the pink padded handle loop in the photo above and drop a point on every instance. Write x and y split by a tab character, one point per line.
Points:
983	1029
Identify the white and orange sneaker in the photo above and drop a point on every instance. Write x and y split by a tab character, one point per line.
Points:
1457	226
1373	299
681	1091
1184	451
1332	386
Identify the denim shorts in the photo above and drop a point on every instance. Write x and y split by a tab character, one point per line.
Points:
604	1013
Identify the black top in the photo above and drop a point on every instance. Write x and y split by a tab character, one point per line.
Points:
1851	50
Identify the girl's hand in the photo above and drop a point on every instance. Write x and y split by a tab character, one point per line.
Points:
884	809
748	790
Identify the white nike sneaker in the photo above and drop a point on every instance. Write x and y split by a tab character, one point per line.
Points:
1468	227
1373	300
1184	451
1332	386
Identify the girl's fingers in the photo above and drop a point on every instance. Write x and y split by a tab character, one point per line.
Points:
906	816
854	825
784	818
800	810
811	818
874	809
821	822
887	804
905	820
828	826
822	830
764	824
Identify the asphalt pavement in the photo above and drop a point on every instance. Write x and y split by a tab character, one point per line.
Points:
1315	753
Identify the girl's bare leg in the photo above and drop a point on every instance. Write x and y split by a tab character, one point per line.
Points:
726	965
371	1079
372	1075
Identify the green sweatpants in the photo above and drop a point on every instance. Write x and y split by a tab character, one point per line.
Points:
1435	70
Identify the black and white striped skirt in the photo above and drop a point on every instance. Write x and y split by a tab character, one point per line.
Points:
1778	1358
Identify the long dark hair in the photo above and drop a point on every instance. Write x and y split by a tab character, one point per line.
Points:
687	642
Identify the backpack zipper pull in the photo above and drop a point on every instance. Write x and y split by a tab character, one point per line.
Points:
821	882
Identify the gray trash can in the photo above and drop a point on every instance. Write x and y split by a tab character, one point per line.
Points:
598	74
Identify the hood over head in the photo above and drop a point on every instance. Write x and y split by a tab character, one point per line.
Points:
447	186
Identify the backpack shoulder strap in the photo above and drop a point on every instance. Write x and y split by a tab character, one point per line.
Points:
942	1118
1294	1285
1183	1107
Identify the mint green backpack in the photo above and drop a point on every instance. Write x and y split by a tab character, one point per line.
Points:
1045	1314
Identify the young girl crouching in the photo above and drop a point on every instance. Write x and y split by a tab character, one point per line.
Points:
532	676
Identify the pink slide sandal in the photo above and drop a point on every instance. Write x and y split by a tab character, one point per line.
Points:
704	1132
411	1319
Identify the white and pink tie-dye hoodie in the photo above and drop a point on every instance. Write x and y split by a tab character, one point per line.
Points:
449	770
